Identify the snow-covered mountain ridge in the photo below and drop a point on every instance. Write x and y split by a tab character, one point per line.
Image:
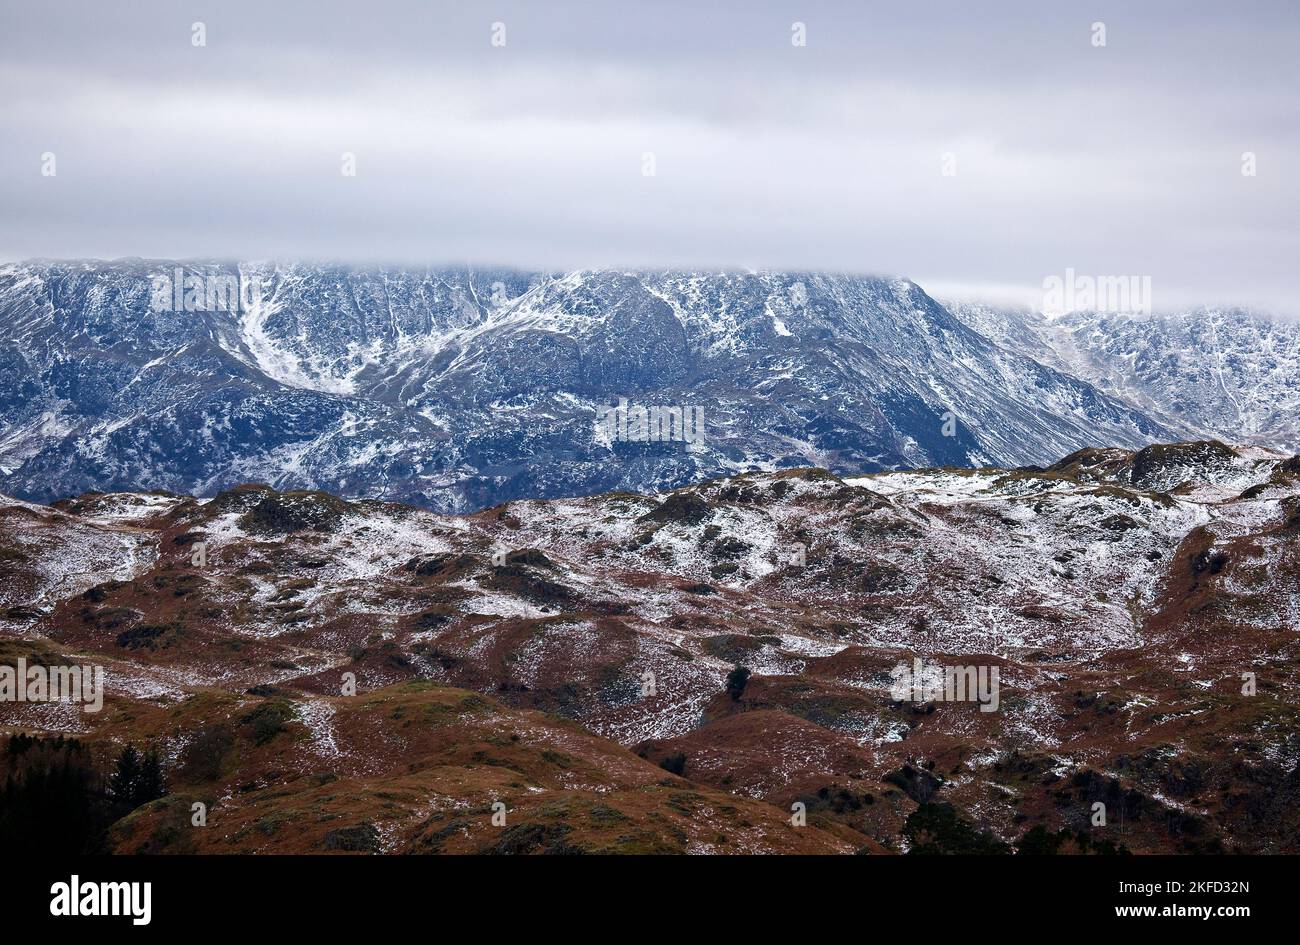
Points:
1226	374
460	388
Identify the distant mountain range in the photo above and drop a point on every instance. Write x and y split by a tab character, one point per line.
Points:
1205	373
456	389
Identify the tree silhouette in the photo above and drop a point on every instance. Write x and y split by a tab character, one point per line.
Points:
52	797
737	679
137	780
152	785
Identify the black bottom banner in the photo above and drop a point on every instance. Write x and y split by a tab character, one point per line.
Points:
332	893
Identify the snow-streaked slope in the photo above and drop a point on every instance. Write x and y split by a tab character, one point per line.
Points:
460	388
1225	374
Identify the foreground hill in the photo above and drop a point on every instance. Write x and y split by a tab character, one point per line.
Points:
1121	595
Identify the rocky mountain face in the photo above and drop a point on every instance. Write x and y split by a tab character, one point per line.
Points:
456	389
1207	373
682	671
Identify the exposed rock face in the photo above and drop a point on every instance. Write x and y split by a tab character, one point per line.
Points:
1207	373
459	389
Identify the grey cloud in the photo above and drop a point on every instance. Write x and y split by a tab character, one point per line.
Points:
1117	160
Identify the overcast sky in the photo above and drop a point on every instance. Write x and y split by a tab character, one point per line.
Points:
1117	160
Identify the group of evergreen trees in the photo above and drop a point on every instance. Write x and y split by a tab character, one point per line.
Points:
137	779
55	799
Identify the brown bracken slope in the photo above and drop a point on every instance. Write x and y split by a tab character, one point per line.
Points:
570	660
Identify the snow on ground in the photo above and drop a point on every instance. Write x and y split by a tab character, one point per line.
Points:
318	716
126	508
930	485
